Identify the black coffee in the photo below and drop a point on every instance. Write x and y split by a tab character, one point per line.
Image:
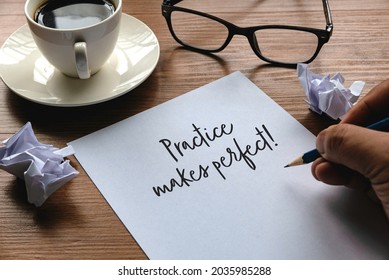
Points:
69	14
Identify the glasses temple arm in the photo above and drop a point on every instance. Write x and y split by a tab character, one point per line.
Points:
327	13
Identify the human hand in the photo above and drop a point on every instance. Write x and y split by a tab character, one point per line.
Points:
354	156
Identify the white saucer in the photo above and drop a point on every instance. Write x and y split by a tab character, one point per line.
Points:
26	72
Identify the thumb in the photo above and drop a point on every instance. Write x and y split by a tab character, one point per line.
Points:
357	148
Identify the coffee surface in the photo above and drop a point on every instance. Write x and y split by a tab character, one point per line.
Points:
71	14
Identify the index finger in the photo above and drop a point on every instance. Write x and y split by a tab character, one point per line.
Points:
373	107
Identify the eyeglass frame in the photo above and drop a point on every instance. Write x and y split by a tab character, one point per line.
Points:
323	35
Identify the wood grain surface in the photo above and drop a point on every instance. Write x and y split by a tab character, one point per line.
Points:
76	222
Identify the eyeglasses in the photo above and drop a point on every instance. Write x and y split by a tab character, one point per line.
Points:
282	45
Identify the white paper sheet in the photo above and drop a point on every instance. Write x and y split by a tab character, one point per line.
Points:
253	209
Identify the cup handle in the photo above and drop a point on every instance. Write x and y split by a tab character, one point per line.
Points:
81	60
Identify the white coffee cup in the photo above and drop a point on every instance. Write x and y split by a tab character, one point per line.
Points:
77	52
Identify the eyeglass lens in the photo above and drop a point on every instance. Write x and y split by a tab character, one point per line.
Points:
286	45
281	45
199	32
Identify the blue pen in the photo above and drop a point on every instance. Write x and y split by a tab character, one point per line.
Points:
310	156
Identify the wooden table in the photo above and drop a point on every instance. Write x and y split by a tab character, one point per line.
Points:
76	222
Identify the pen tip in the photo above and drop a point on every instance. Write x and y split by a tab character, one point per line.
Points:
286	166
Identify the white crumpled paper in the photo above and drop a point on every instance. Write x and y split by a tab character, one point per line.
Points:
328	95
41	166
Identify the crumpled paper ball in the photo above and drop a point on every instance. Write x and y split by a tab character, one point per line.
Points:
41	166
328	95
